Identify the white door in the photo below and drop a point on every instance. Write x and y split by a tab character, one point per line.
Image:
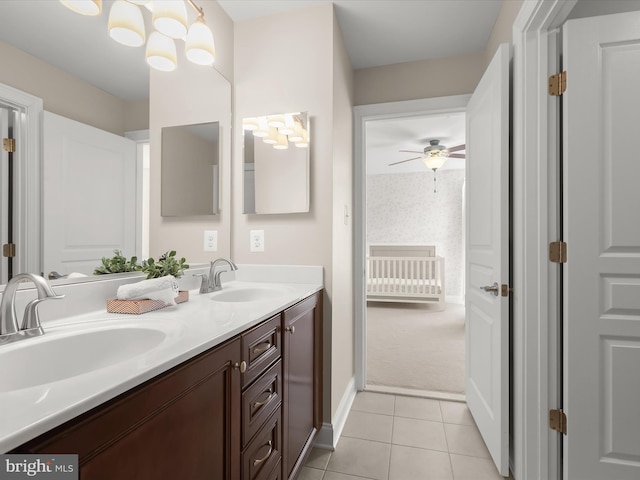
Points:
602	229
487	257
4	189
89	199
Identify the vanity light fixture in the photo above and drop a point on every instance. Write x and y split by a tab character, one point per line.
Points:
84	7
278	130
169	18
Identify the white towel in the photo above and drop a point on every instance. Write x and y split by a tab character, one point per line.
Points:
163	288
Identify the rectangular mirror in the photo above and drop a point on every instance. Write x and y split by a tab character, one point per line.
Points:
276	164
190	174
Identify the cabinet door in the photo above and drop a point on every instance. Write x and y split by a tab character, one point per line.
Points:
302	388
185	424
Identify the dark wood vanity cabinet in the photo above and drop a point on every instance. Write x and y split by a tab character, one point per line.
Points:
248	409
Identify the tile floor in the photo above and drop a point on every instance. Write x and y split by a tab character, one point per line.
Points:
393	437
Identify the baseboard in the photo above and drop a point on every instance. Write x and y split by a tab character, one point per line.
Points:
330	432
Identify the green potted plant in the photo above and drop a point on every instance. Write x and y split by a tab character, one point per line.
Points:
117	264
167	264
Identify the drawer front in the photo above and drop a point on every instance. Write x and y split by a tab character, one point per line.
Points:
260	400
264	452
261	346
276	474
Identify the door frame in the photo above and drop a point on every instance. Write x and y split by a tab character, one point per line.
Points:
535	449
363	114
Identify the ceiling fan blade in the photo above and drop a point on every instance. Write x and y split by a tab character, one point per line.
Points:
457	155
402	161
457	148
412	151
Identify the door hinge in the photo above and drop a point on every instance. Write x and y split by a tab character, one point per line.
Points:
9	250
9	144
558	252
505	290
558	420
558	84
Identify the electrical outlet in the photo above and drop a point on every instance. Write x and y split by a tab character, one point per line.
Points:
256	240
210	240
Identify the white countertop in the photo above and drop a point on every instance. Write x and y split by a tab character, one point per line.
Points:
191	328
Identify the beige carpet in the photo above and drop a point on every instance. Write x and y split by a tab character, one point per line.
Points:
412	346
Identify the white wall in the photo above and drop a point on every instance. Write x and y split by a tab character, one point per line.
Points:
403	209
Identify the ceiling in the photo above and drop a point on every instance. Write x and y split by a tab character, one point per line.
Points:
376	32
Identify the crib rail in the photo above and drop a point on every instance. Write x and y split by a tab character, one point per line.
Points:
406	277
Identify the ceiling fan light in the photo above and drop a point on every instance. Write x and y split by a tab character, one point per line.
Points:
161	52
170	18
199	45
126	25
434	161
84	7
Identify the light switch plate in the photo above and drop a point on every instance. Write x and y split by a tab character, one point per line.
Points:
210	240
256	241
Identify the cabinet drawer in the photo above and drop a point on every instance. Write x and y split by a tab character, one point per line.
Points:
261	346
260	400
276	474
264	451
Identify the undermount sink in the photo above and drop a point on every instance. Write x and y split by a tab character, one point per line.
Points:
58	356
249	293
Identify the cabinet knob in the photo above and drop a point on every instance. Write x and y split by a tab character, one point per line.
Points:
291	329
242	366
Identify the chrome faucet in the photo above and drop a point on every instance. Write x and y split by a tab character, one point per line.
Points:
31	327
211	283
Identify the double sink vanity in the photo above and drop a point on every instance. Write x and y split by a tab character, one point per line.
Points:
225	386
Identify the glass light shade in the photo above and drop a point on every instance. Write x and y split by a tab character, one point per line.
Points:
276	121
170	17
250	124
282	142
272	138
288	127
84	7
434	162
304	142
199	46
263	129
161	52
126	24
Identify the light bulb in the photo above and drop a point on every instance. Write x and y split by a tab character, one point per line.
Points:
199	46
126	24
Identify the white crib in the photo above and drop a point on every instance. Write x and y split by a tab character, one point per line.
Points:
405	273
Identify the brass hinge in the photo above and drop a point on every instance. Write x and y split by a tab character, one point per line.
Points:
9	144
558	252
558	420
9	250
558	84
505	290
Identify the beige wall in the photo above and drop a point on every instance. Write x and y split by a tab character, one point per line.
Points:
188	95
434	78
296	62
67	95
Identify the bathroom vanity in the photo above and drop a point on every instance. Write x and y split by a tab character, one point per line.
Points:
247	407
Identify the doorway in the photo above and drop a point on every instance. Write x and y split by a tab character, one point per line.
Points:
414	213
365	116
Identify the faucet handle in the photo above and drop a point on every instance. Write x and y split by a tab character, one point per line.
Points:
204	285
31	320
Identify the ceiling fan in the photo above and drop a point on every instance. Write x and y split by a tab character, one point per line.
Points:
434	156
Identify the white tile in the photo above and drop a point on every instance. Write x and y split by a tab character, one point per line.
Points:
473	468
419	433
368	426
307	473
374	403
362	458
465	440
456	412
420	408
408	463
318	458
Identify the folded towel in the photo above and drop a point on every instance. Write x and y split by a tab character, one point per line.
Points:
163	288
